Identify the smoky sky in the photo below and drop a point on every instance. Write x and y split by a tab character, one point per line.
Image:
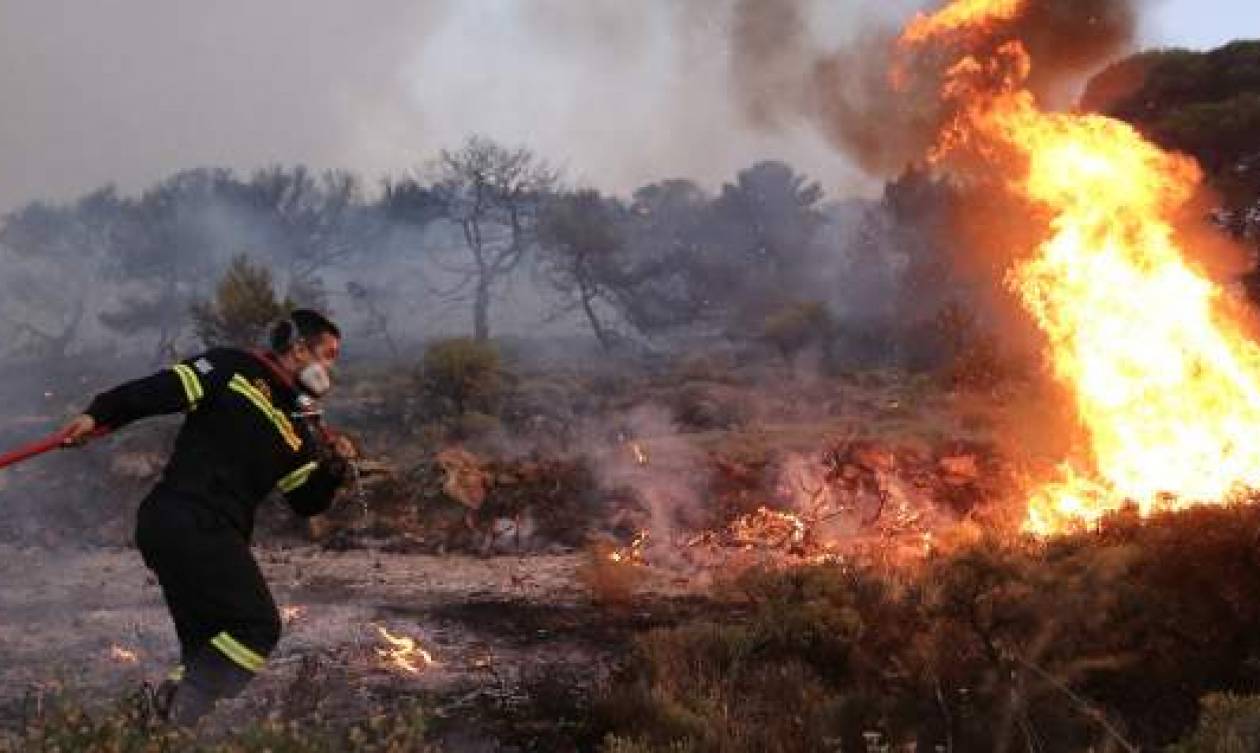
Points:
128	91
616	93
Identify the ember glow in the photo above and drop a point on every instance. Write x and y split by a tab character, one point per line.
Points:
402	653
1165	382
632	553
291	614
768	528
123	655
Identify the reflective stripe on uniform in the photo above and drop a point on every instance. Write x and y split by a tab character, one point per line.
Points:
260	401
192	385
238	652
296	478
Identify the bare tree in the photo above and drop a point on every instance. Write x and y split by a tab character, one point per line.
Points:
492	195
366	298
581	239
316	222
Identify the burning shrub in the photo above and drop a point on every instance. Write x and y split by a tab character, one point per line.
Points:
463	374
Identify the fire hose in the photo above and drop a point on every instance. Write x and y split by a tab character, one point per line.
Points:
51	442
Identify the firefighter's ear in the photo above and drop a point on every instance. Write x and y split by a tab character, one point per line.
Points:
301	350
284	336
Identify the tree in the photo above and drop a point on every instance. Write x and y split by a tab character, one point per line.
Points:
164	249
768	219
1206	104
582	242
56	253
666	238
243	308
492	195
310	223
723	263
367	299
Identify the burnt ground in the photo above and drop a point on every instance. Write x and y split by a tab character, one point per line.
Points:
518	642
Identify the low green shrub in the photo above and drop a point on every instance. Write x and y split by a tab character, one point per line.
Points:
65	725
461	374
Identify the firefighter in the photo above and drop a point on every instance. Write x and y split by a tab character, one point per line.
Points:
250	429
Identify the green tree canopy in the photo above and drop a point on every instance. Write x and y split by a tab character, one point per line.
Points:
1206	104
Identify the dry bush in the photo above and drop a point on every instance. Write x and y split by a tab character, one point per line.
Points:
543	502
702	406
463	374
1102	639
798	325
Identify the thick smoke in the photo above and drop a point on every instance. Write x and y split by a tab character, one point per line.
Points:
620	94
846	91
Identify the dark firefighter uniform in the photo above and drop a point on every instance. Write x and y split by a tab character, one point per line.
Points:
243	437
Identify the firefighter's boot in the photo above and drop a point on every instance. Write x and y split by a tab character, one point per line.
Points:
211	677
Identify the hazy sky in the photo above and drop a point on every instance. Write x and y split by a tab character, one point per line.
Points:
619	93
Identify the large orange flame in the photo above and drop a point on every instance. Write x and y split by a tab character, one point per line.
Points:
1166	384
957	16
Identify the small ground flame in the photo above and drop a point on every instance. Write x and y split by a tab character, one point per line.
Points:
632	553
640	454
123	655
290	615
403	653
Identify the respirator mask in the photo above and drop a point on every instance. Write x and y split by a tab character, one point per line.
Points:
314	379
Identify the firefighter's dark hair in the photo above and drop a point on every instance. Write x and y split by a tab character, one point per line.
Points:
302	324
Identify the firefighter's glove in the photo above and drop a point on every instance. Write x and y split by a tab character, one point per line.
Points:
338	453
337	467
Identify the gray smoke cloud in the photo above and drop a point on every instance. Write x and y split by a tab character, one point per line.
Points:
619	94
783	73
